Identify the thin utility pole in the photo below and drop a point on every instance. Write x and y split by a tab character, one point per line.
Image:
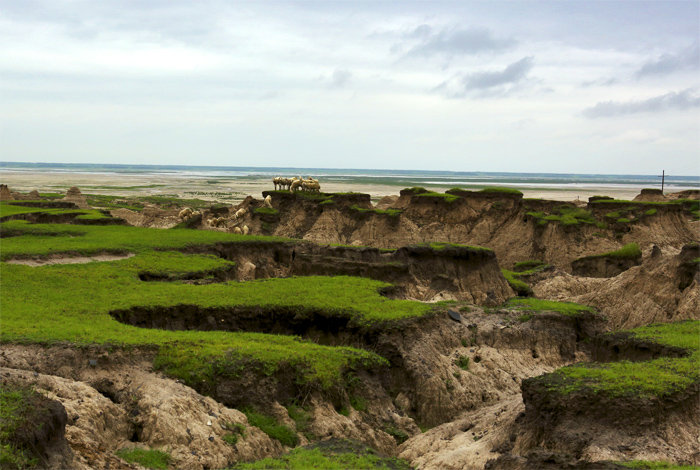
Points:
663	177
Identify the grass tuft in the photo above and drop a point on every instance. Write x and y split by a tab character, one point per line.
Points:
155	459
271	427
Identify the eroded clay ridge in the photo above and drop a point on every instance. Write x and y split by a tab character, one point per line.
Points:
637	406
421	272
517	229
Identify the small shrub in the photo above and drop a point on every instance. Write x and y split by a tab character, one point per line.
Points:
237	431
463	362
464	342
525	317
359	403
396	433
230	439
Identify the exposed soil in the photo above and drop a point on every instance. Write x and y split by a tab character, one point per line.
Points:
495	220
596	426
417	272
665	287
603	266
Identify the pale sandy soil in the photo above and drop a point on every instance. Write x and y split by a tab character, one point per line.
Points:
235	190
62	259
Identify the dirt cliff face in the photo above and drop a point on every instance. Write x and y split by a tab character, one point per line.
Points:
516	229
664	288
593	426
421	272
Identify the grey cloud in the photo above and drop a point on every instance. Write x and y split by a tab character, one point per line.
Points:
340	78
487	84
455	41
511	74
685	99
669	63
600	82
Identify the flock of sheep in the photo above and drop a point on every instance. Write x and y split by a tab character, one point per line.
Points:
187	213
296	184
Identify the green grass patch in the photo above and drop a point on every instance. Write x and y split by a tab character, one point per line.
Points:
564	215
147	458
520	287
440	246
389	212
444	196
15	407
271	427
650	212
319	458
463	362
266	211
72	303
501	190
236	431
629	251
623	220
540	305
656	378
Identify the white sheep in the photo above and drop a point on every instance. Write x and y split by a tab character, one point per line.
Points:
237	230
240	213
245	230
185	213
268	201
296	184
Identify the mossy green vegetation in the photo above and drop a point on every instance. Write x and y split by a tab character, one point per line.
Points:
94	239
655	465
629	251
271	427
266	211
15	406
389	212
148	458
355	458
235	432
440	246
564	215
72	303
520	287
656	378
497	189
445	196
540	305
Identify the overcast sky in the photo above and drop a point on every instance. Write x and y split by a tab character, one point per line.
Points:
562	86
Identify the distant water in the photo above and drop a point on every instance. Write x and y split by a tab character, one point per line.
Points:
401	178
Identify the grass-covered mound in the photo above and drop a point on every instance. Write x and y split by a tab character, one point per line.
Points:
565	215
72	303
329	455
656	378
569	309
629	251
520	287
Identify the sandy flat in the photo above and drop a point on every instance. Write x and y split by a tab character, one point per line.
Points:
234	190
